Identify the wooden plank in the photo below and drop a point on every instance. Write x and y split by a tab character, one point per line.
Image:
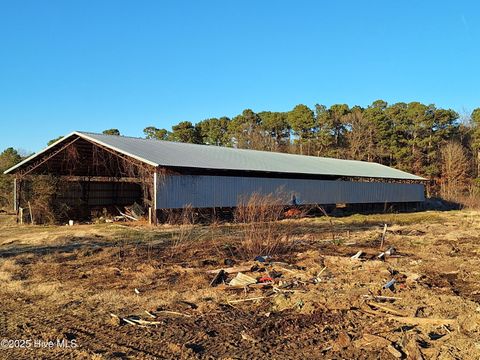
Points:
385	308
242	287
231	270
423	321
249	299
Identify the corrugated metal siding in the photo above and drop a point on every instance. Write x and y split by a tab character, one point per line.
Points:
225	191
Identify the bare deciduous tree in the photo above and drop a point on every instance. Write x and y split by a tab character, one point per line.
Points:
455	167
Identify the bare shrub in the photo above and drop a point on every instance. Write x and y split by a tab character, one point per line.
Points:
43	199
40	194
6	192
262	232
43	192
186	221
456	185
469	198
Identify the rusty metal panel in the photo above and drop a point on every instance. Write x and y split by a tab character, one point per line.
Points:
178	191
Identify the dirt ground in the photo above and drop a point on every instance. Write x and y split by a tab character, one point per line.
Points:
133	292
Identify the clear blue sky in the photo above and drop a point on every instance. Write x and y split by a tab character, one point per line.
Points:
91	65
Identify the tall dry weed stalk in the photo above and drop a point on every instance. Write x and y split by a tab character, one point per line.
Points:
262	232
186	221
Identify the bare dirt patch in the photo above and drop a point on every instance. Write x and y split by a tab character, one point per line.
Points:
65	282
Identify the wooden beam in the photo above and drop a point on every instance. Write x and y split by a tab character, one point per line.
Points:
46	158
139	164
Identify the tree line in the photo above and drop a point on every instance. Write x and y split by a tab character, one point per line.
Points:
428	141
422	139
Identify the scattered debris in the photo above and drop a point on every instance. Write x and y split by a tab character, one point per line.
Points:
411	347
128	321
317	279
435	336
135	210
243	280
357	255
412	278
168	312
281	292
248	299
385	308
391	349
231	270
245	287
125	216
263	258
150	314
370	340
144	322
382	298
219	278
423	321
391	250
229	262
137	321
186	304
390	285
287	266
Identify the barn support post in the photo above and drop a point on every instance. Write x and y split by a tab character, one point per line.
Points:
154	210
17	195
15	205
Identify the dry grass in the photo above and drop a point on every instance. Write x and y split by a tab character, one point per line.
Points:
185	230
262	233
8	269
73	289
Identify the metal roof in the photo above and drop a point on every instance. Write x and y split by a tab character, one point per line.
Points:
166	153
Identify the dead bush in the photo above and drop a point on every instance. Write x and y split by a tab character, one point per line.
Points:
186	221
469	198
40	194
6	192
262	231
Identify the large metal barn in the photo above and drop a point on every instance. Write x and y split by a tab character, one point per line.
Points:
104	170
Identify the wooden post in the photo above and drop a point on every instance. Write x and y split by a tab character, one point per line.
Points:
17	199
31	213
15	204
384	233
149	215
154	210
